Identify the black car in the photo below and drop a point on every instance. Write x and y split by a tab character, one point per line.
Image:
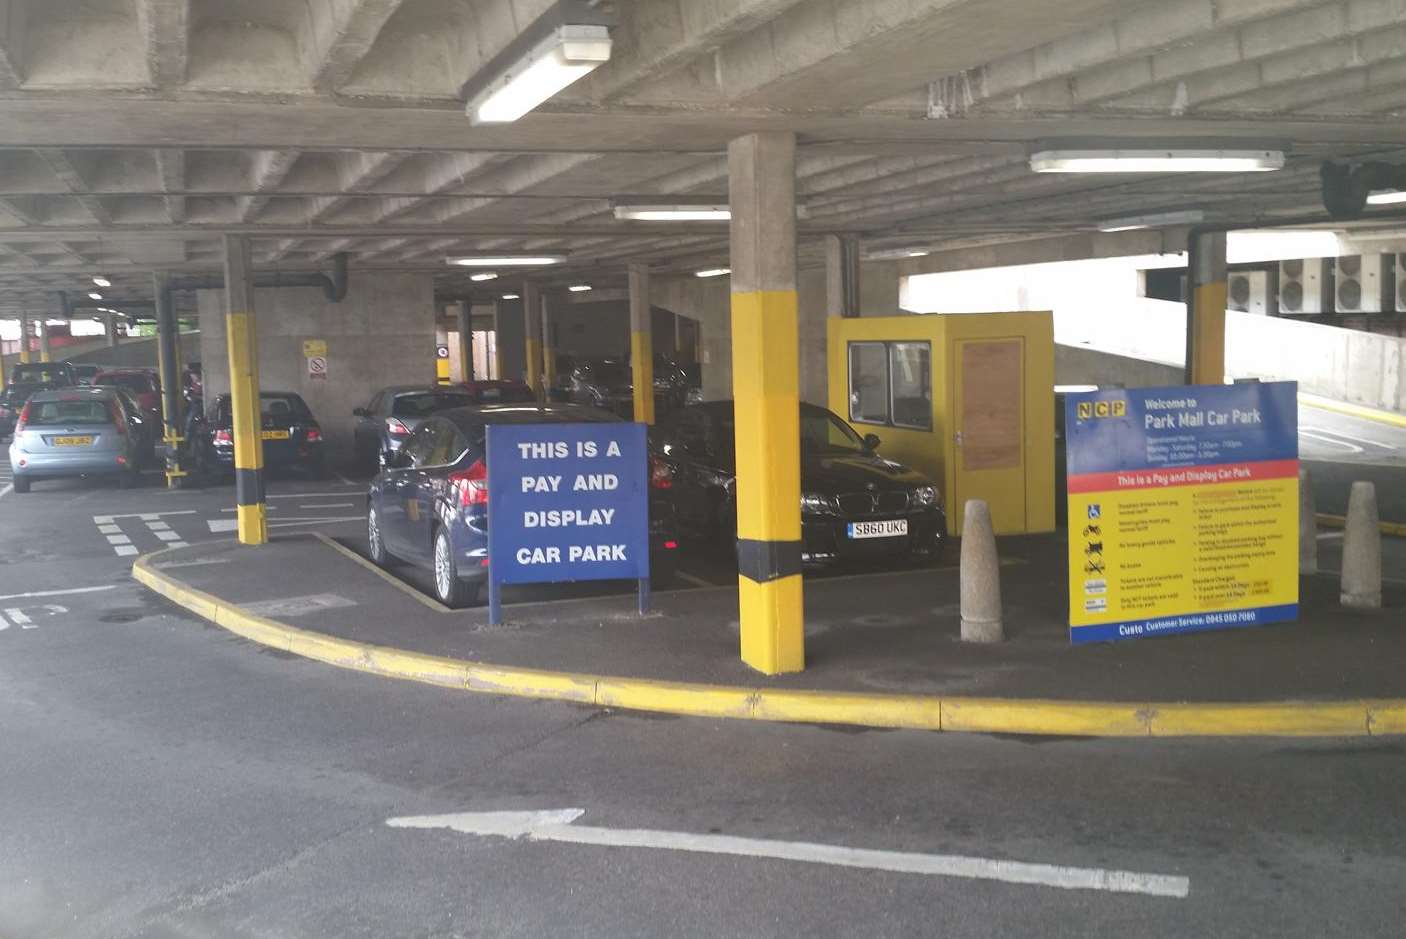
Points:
292	437
610	383
855	505
25	379
430	505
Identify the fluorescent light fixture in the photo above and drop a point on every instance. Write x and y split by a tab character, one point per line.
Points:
1156	161
713	272
101	281
579	288
565	55
1074	389
1387	197
486	275
673	213
510	296
503	260
94	295
1153	220
896	254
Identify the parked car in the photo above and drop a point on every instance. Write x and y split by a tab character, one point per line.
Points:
430	505
85	372
146	431
609	384
292	436
24	380
74	432
855	505
498	391
142	383
393	414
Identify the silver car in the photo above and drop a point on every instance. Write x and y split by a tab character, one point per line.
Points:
75	432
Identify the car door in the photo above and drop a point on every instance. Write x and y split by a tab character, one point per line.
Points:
397	490
366	434
418	487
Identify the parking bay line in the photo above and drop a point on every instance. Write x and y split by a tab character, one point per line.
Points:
144	516
56	593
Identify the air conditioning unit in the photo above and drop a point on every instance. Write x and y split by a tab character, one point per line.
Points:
1306	287
1253	292
1363	283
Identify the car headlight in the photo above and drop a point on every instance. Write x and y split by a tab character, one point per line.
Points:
816	504
926	495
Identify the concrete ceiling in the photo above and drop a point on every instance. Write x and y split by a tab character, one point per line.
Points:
133	133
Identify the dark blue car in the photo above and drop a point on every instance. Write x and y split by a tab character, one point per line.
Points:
430	505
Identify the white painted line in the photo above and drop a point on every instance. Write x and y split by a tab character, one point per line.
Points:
223	524
1367	440
6	491
344	481
145	516
329	505
118	539
158	526
56	593
271	508
1330	536
1331	441
298	606
196	562
167	535
125	549
110	529
556	826
179	544
102	519
316	521
315	495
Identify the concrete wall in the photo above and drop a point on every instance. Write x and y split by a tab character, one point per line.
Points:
382	334
137	353
1083	365
1345	364
510	338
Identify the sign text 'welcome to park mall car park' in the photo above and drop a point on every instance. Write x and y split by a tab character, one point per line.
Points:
1183	509
567	502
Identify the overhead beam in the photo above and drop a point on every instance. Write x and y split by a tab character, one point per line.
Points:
171	177
343	33
165	28
358	171
77	186
270	169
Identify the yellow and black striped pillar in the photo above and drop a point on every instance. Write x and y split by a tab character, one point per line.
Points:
641	345
168	345
532	336
1205	313
464	313
766	391
44	352
242	339
24	338
549	345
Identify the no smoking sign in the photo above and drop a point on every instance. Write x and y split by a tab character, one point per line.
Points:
317	367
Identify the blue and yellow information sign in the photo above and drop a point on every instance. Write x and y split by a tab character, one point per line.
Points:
567	502
1183	509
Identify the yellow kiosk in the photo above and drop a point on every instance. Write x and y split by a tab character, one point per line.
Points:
966	398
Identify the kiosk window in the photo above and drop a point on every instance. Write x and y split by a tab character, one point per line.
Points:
868	383
890	383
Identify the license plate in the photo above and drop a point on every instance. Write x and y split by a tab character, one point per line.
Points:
889	529
73	441
275	435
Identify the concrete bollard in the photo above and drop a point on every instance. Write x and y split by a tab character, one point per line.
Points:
1362	550
980	576
1308	525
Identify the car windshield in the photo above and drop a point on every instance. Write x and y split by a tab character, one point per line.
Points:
130	382
823	432
419	405
62	413
40	373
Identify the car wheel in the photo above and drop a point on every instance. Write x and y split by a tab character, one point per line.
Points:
448	588
21	484
376	542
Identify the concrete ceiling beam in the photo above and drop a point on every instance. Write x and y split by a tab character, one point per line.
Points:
77	186
358	172
1345	73
270	168
171	176
343	32
165	29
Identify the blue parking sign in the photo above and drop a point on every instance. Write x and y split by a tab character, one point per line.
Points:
566	502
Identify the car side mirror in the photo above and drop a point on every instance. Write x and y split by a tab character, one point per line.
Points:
359	412
871	441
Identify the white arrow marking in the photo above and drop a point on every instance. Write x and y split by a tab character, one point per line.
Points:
57	593
555	825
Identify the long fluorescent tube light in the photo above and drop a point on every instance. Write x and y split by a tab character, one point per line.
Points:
1387	197
713	272
568	53
1154	220
101	281
579	288
94	295
510	296
506	260
1156	161
673	213
896	254
486	275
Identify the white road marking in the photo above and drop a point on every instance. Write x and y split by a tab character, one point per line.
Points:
196	562
23	620
167	535
1331	441
7	490
297	606
314	521
329	505
691	579
56	593
126	550
315	495
223	524
271	508
118	539
110	529
158	526
145	516
344	481
179	544
1337	433
556	826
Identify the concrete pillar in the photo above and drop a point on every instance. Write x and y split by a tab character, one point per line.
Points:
766	381
1205	309
980	576
550	305
508	340
110	327
168	341
464	312
842	275
45	354
1308	525
251	510
1362	550
641	344
715	355
532	337
24	337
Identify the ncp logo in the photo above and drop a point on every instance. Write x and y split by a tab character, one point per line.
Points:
1094	410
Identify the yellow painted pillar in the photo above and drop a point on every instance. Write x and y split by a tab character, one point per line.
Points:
549	346
465	315
242	339
168	364
532	336
44	355
1205	320
24	338
641	345
766	391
